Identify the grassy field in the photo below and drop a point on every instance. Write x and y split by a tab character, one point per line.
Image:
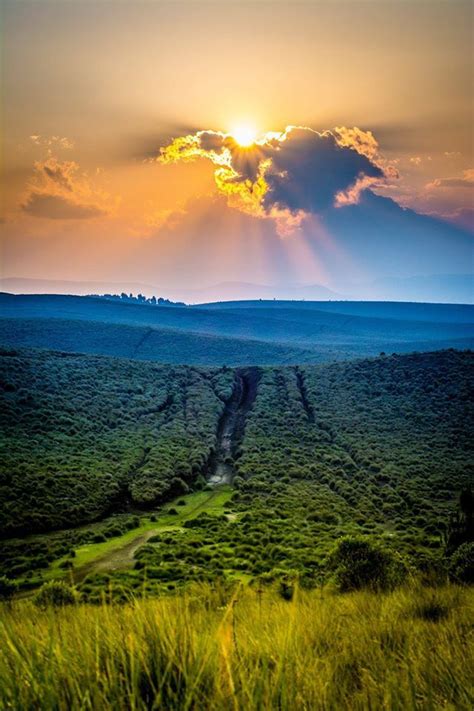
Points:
216	648
209	501
117	553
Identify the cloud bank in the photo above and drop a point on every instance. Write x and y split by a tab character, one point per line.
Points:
466	181
289	175
59	192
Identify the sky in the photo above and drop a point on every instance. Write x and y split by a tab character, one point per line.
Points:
185	144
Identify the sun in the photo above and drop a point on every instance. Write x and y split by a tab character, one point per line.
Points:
244	133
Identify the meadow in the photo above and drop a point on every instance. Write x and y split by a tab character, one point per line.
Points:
244	648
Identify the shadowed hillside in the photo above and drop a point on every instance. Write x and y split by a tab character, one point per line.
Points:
235	333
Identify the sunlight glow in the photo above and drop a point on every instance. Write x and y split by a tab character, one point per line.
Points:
245	134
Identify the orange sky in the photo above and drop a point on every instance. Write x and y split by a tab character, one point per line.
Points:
93	90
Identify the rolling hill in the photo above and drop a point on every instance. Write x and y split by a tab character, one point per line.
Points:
232	332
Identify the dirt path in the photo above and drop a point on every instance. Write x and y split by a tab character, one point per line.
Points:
231	426
300	382
116	559
123	556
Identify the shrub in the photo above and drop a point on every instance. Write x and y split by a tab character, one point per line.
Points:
7	588
358	563
56	593
66	564
430	611
286	590
461	565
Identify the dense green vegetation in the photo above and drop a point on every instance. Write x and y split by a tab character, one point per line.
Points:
378	449
241	648
331	574
82	436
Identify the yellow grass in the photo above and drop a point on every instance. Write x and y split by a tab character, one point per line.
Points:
206	649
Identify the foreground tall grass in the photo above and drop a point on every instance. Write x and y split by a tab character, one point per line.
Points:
411	649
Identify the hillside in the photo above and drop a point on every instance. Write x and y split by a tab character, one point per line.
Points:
379	446
235	333
164	345
399	310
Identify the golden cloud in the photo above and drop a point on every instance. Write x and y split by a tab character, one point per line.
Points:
286	175
60	191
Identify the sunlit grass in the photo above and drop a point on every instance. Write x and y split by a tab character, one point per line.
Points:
208	649
211	502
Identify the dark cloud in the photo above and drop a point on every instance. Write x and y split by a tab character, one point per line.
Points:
309	170
287	175
58	207
211	141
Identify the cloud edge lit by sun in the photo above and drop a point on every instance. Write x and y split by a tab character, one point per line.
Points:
254	171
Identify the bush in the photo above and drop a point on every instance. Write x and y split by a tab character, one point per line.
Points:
66	564
7	588
286	590
461	566
358	563
56	593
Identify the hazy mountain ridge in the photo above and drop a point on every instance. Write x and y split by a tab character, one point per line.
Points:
437	288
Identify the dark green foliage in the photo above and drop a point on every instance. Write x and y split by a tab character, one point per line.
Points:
81	436
23	557
359	563
461	524
56	593
7	588
286	590
461	564
377	448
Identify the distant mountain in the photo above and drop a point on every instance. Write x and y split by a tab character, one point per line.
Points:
438	288
230	291
225	291
20	285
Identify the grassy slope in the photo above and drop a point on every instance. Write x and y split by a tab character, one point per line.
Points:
212	649
89	555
